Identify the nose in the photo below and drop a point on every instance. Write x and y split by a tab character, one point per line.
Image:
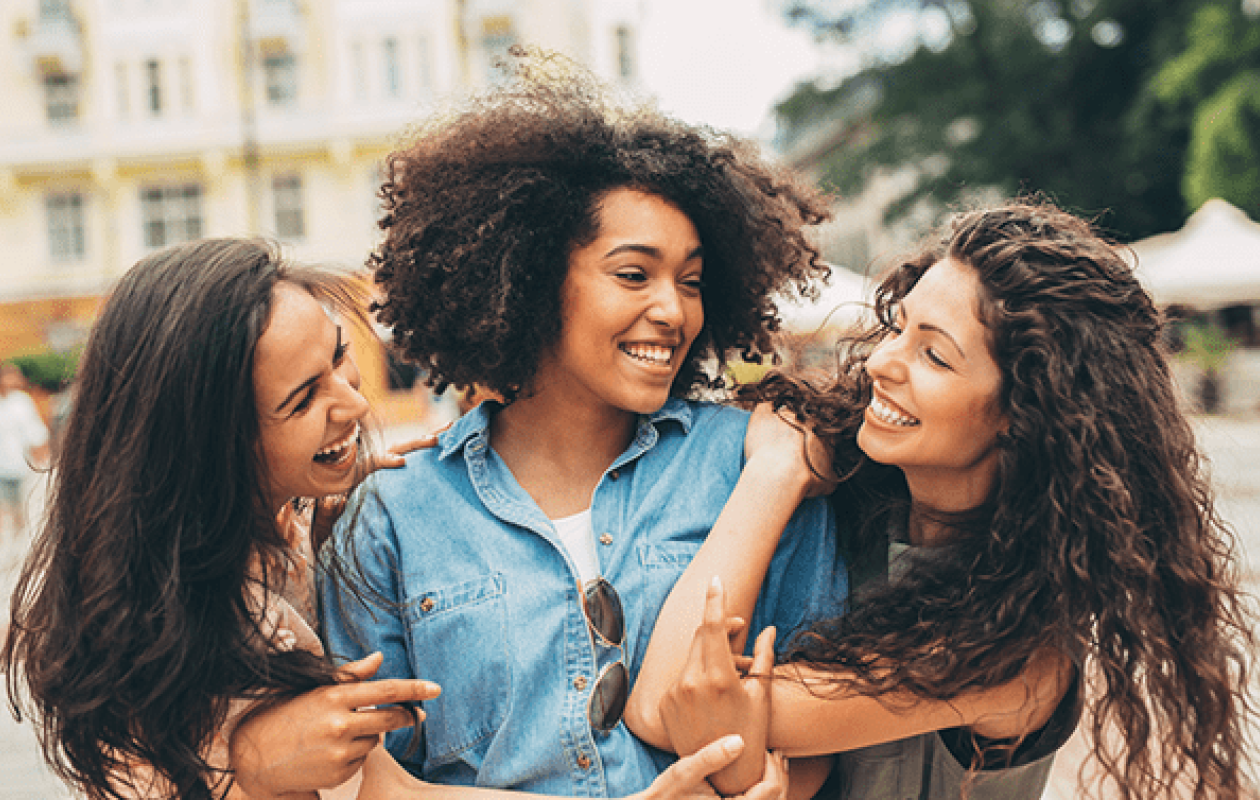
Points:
886	363
351	405
667	307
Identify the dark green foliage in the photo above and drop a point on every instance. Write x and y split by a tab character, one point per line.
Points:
1073	99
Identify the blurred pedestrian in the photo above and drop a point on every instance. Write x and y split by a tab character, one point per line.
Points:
23	446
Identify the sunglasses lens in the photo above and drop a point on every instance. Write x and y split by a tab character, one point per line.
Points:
603	609
608	698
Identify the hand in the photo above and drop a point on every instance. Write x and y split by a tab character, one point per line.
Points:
392	458
318	740
329	509
776	440
686	778
710	700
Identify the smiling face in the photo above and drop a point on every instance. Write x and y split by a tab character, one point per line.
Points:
934	410
632	308
309	407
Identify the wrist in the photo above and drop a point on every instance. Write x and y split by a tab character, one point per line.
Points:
781	473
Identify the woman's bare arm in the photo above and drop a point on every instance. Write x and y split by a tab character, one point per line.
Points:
774	481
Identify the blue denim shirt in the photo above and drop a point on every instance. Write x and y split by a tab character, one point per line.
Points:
481	597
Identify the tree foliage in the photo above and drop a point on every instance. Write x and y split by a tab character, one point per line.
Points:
1067	97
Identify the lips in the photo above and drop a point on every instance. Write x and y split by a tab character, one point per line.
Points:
652	354
886	413
338	451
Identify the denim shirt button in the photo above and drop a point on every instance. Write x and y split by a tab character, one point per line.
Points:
584	761
426	605
579	682
614	475
605	538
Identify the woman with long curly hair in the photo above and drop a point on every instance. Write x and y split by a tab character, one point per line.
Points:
594	265
1028	527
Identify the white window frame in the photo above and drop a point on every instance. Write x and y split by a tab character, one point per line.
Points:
288	206
66	214
171	214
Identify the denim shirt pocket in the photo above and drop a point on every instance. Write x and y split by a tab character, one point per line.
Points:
459	638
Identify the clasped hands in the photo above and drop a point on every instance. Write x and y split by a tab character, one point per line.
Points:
720	693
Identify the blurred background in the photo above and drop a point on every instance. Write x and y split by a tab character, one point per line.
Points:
130	125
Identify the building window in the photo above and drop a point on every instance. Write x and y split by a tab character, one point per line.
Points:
61	97
286	191
153	75
626	66
393	73
67	235
170	214
54	9
280	75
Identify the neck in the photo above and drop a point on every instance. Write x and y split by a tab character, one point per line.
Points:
559	450
938	507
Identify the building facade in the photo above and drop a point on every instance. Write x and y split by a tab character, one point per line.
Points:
131	125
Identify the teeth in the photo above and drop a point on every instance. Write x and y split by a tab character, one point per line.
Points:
651	353
341	445
888	414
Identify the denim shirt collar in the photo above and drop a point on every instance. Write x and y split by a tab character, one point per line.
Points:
473	429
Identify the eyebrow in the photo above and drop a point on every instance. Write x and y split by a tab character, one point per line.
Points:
649	250
927	326
306	384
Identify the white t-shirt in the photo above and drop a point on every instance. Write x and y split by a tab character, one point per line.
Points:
578	537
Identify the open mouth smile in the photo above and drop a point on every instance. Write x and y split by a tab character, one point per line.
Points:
652	354
340	451
889	415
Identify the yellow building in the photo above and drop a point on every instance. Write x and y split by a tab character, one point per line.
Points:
130	125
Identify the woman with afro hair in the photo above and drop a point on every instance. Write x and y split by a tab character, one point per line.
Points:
594	265
1029	530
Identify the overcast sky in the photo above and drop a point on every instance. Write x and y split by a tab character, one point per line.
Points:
725	62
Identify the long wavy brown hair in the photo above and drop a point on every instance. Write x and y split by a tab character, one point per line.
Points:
1100	537
130	629
484	205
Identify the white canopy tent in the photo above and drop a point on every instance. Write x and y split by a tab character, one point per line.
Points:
1212	262
845	300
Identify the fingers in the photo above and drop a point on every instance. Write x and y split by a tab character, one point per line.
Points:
774	783
391	691
708	759
360	670
763	652
715	604
419	443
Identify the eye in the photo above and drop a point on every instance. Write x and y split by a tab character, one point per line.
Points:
304	403
632	275
694	283
932	356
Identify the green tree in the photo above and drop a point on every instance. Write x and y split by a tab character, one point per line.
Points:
1014	95
1218	76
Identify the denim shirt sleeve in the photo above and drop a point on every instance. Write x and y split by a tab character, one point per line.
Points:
807	579
362	618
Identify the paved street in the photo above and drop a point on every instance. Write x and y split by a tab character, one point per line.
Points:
1233	445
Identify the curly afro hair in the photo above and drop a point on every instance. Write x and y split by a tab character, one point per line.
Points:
483	209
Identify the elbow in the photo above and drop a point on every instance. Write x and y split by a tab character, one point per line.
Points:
643	718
